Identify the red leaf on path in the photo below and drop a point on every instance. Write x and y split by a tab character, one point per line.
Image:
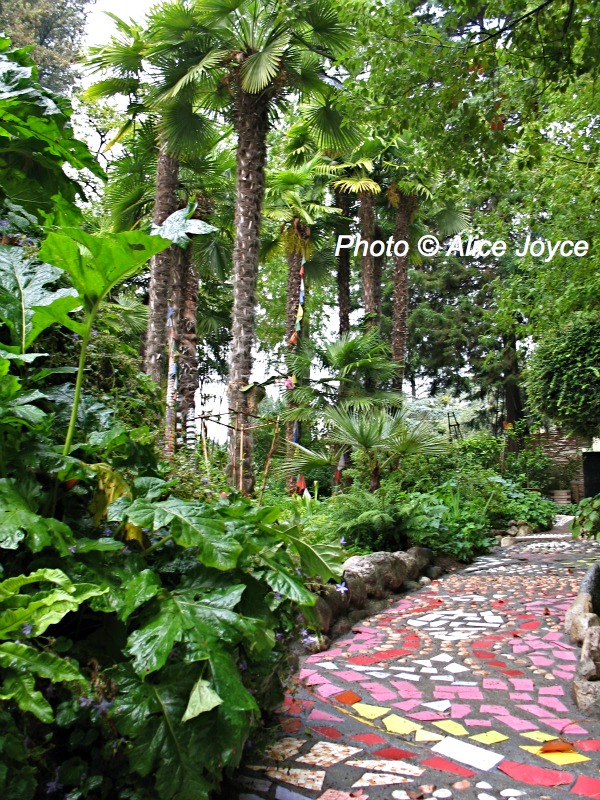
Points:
557	746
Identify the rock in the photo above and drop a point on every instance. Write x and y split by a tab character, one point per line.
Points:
324	614
412	565
589	663
338	602
381	572
581	605
434	572
341	627
410	586
507	541
581	624
422	555
424	581
591	585
357	597
461	785
587	695
443	793
427	788
483	785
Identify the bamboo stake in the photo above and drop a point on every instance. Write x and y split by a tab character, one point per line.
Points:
268	461
242	457
204	447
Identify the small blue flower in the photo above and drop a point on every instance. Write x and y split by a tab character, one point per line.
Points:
54	785
26	629
103	706
342	541
279	635
341	587
76	337
242	665
73	549
277	595
298	572
85	702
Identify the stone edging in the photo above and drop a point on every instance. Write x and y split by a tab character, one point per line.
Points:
370	579
582	624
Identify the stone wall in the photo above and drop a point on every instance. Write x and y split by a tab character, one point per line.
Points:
582	623
563	450
367	581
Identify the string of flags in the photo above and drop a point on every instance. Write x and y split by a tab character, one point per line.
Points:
292	380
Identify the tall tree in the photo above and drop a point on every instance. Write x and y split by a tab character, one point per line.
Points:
248	70
55	28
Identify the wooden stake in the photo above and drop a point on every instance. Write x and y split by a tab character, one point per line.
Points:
268	461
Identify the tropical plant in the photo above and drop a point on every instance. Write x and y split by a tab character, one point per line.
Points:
587	519
249	70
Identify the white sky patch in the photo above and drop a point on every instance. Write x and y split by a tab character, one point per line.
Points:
100	28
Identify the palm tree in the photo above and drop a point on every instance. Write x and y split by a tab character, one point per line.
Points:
252	54
382	436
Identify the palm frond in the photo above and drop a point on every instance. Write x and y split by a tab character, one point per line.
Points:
304	460
357	184
259	69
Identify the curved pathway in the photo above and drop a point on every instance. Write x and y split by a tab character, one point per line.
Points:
449	693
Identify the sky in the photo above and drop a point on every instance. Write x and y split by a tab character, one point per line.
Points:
100	27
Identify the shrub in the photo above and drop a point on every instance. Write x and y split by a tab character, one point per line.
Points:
587	518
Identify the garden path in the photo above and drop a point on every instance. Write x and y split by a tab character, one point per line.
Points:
448	693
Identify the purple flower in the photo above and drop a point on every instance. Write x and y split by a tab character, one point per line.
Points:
279	635
298	572
341	587
26	629
103	706
85	702
242	665
342	541
277	595
54	785
76	337
73	549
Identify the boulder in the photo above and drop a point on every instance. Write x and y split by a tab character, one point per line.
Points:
581	624
507	541
357	596
324	614
412	565
424	581
338	601
580	606
587	695
422	555
434	572
381	572
410	586
589	661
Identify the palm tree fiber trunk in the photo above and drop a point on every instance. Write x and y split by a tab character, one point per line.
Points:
293	300
367	233
161	269
251	124
407	205
188	339
343	202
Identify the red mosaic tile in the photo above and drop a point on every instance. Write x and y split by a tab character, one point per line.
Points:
291	724
394	753
588	787
587	745
348	698
363	661
328	731
535	776
369	738
443	765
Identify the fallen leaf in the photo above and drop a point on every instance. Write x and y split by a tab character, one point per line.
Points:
546	612
557	746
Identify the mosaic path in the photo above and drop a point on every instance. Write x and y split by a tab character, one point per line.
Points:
452	692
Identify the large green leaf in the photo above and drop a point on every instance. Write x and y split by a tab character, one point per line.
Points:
23	283
178	225
96	264
150	714
202	698
323	560
136	592
21	689
24	658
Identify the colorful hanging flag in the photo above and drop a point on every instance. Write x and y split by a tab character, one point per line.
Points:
300	484
340	467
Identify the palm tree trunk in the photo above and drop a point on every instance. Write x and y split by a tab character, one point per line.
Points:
294	260
251	124
161	268
378	264
188	341
367	233
342	201
404	213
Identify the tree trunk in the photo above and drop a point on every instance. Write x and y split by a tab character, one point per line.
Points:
375	480
378	264
161	269
251	124
342	201
188	341
293	293
367	233
404	213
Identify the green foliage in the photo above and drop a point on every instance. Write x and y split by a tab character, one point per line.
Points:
563	380
586	524
36	140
